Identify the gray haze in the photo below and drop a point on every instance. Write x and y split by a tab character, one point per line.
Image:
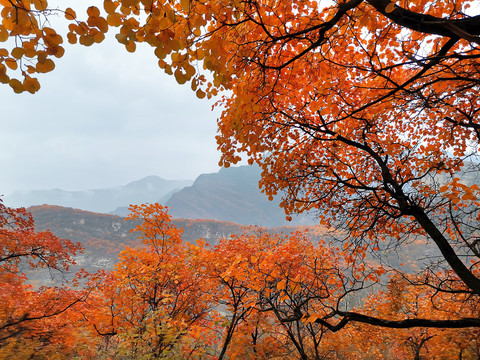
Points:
150	189
103	118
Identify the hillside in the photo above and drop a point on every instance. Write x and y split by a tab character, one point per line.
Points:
106	230
232	194
104	235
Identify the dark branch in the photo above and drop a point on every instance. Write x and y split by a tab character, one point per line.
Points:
465	28
399	324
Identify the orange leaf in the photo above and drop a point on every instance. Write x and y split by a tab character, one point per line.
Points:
390	7
70	14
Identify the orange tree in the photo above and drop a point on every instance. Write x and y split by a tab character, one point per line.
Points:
365	111
277	291
155	303
230	284
35	321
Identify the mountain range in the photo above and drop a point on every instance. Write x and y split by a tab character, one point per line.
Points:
148	189
231	195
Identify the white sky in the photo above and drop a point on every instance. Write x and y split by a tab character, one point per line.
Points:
104	117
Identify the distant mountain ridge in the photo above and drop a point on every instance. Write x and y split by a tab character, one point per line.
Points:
148	189
231	195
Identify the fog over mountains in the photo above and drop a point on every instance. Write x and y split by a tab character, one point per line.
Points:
148	189
230	195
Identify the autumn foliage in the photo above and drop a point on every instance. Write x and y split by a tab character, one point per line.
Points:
364	112
155	300
38	320
256	295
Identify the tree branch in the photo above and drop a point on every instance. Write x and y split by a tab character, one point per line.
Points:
465	28
398	324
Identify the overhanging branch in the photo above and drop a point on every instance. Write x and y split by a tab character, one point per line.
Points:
465	28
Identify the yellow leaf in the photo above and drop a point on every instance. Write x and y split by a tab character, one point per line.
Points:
469	196
148	4
162	64
86	40
122	38
197	32
180	77
109	6
364	20
46	66
99	22
175	44
163	23
93	11
175	56
129	3
114	19
31	85
170	15
131	46
311	318
200	54
189	70
72	38
3	34
40	5
42	57
99	37
4	78
160	53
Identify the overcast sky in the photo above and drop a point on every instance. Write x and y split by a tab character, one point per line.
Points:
104	117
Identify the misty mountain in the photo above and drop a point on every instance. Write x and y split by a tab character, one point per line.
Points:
149	189
123	210
233	195
103	236
230	195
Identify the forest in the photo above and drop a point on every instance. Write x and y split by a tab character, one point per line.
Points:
364	112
